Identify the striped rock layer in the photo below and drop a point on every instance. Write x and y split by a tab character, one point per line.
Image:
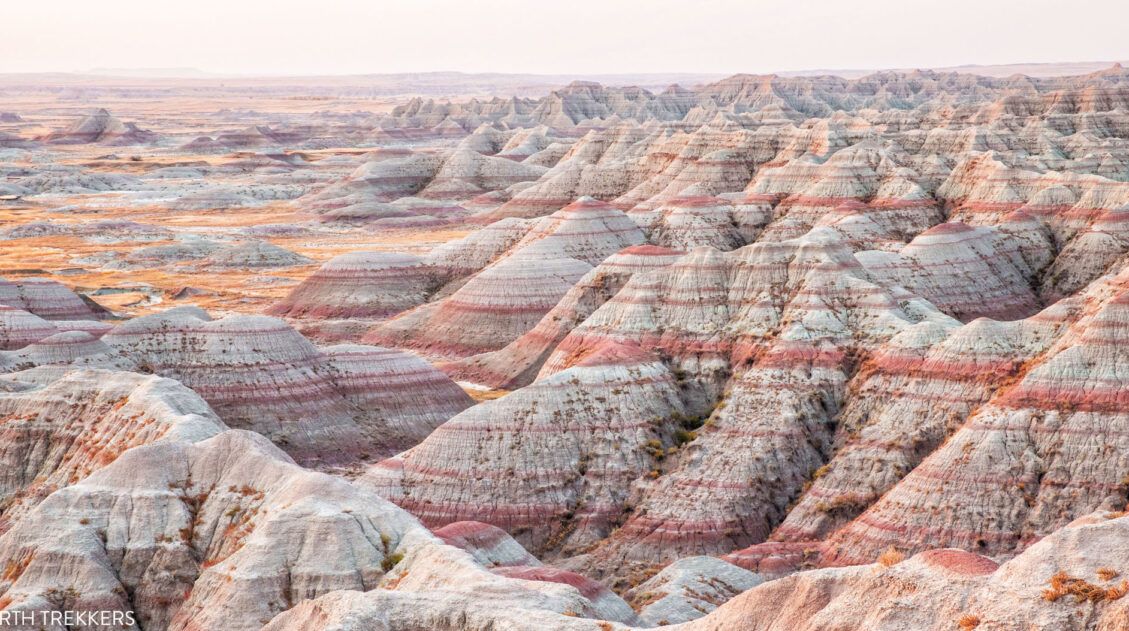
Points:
508	298
518	363
322	406
950	588
46	299
558	472
365	285
222	536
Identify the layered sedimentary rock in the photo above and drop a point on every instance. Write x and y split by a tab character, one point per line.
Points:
1072	580
67	348
467	173
966	272
690	588
100	127
557	473
460	258
364	285
255	255
18	328
519	362
790	321
259	373
689	221
508	298
1027	431
489	545
493	308
59	431
587	229
222	522
47	299
400	397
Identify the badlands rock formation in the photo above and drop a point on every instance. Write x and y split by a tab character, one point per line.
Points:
603	423
765	353
509	297
324	406
519	362
100	127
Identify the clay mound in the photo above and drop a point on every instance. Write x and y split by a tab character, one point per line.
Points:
587	229
463	257
402	396
811	188
221	538
517	364
935	590
556	473
69	348
559	187
255	255
910	398
214	198
259	373
489	545
60	431
191	248
762	339
966	272
1089	255
1066	393
605	604
48	300
215	509
900	210
100	127
493	308
467	173
367	285
690	221
78	183
381	180
689	589
18	328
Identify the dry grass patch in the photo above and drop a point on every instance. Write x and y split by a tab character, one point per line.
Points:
891	557
1062	584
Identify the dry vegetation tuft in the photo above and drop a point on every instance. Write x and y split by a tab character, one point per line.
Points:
891	557
1062	584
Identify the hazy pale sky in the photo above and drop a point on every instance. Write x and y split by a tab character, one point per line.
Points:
553	36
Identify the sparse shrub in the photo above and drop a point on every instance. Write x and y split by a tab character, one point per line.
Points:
681	437
891	557
391	561
968	622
